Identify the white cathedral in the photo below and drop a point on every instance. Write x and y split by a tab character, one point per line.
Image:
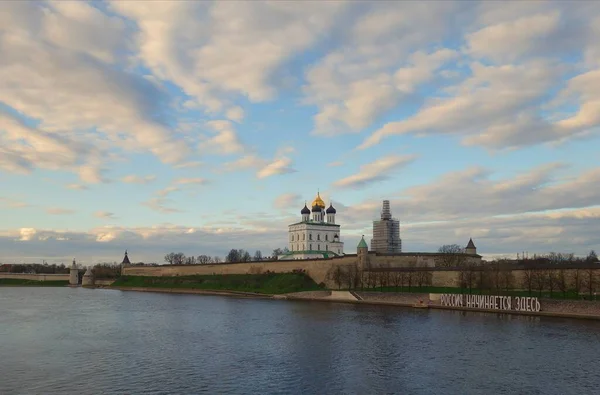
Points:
316	237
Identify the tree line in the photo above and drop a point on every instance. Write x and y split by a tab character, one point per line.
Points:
233	256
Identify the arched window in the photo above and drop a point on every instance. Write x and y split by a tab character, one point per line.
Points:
310	247
318	237
310	236
319	247
326	238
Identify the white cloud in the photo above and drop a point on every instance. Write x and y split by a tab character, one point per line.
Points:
216	50
280	164
287	201
276	167
104	215
186	165
187	181
135	179
12	203
160	204
378	170
225	142
59	211
235	114
78	187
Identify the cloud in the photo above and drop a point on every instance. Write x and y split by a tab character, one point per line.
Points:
187	181
287	201
186	165
134	179
201	47
12	203
375	171
276	167
59	211
78	187
77	52
335	164
280	164
104	215
160	204
226	141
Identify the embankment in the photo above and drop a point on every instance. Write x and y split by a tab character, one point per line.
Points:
51	278
17	282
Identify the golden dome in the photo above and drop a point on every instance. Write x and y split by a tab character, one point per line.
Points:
318	201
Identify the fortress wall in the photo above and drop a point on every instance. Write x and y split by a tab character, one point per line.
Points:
36	277
317	269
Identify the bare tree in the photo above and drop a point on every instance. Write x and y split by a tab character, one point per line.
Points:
592	257
576	280
562	282
203	259
170	258
452	255
539	279
217	259
528	279
590	281
551	280
258	256
397	279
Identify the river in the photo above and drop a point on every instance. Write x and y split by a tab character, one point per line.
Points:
94	341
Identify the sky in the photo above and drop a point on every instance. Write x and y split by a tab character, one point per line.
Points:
199	127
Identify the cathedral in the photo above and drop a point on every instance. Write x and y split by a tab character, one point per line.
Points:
316	235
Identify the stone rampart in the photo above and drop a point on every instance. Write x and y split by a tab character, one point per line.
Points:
36	277
317	269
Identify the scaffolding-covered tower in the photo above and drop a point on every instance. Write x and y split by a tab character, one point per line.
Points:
386	232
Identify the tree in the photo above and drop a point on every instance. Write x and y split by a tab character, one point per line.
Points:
576	280
258	256
190	260
528	279
590	281
539	279
216	259
592	257
233	256
179	258
170	258
562	282
451	255
204	259
245	256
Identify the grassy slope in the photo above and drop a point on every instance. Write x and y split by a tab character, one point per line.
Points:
20	282
272	283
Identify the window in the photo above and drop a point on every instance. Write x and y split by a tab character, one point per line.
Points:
303	236
326	247
326	238
318	247
310	236
297	247
311	246
318	237
339	251
303	246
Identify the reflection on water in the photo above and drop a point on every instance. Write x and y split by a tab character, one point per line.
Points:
62	340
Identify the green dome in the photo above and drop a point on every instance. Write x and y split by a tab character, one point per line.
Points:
362	243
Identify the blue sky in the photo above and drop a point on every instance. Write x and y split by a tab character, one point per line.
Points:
200	127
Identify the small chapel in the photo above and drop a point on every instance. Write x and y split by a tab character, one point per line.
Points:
316	235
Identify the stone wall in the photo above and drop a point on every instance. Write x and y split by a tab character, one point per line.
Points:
317	269
36	277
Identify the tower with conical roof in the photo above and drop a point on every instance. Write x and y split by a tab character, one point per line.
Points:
362	253
125	259
471	249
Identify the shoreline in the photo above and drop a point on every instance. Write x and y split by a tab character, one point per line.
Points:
296	297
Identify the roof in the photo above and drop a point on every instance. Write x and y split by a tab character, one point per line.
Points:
126	259
471	244
315	223
331	209
362	243
305	210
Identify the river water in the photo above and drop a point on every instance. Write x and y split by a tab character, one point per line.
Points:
94	341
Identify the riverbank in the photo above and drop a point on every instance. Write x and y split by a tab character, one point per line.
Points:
551	308
266	283
17	282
